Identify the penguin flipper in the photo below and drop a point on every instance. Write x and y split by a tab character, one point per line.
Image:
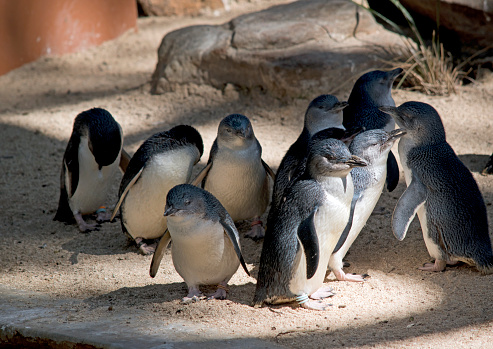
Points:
63	213
349	224
125	192
201	176
159	253
392	172
307	235
229	229
410	201
268	170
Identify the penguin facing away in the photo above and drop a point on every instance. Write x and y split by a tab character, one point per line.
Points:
89	163
163	161
373	146
370	91
306	228
441	190
236	174
323	112
205	245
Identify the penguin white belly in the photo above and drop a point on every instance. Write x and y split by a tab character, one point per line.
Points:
362	212
93	185
240	184
330	222
202	253
143	207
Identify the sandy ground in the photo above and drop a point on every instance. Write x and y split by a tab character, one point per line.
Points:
398	307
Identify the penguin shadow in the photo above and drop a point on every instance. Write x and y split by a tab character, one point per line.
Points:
474	162
172	293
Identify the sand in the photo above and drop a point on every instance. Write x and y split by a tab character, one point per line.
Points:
398	307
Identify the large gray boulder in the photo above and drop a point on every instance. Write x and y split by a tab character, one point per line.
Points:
299	49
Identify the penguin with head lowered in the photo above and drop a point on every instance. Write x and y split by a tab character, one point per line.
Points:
373	146
441	190
306	228
236	174
373	90
163	161
324	112
89	163
205	245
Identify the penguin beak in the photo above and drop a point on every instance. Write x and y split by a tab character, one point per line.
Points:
395	135
339	106
356	161
395	73
350	134
170	211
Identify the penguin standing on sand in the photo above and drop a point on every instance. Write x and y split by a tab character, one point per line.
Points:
164	160
91	158
441	190
373	90
373	146
322	113
236	174
206	244
306	228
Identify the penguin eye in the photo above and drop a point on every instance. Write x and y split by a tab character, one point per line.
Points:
229	130
187	202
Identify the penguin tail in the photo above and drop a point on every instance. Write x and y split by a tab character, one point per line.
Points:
64	213
485	269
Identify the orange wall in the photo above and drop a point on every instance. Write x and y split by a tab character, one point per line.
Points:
30	29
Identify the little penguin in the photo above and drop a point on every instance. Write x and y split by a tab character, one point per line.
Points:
205	245
236	174
373	90
323	112
441	190
373	146
306	228
163	161
89	163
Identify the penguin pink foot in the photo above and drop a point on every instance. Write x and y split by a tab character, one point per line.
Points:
144	248
342	276
312	304
194	295
322	292
221	292
257	231
85	227
439	265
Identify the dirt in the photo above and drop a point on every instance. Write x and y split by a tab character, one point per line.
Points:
399	306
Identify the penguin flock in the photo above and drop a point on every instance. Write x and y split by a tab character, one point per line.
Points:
323	193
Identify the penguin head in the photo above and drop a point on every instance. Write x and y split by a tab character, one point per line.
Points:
188	134
331	157
324	112
235	131
374	88
104	134
420	121
372	144
184	200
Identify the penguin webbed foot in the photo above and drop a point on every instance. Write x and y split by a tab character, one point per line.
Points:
438	265
144	247
313	304
102	215
322	292
194	295
342	276
257	231
85	227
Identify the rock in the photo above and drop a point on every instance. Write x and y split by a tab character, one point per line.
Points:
178	7
298	49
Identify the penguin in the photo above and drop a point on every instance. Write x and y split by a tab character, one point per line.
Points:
236	174
307	227
205	245
441	190
370	91
164	160
323	112
488	168
89	163
373	146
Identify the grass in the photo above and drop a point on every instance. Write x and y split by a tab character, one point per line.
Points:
428	67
